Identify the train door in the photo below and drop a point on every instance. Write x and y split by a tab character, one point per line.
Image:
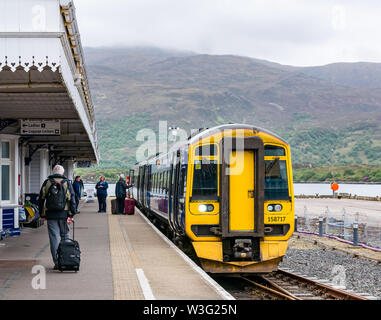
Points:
242	197
141	186
138	187
174	195
241	191
132	183
146	180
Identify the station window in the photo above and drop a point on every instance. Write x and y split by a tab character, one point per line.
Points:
5	146
5	182
7	167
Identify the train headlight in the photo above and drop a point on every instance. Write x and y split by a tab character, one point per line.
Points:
274	207
203	208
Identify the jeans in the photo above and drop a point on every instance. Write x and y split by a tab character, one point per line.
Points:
77	199
58	230
102	202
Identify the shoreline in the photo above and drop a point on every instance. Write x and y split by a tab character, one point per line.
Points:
339	182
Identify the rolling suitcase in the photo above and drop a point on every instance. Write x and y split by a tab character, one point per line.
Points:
129	206
69	255
114	206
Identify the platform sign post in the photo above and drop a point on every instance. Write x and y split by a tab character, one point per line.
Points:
334	187
320	226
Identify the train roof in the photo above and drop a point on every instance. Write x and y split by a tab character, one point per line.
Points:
210	131
203	133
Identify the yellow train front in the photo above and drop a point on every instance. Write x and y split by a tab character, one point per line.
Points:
228	191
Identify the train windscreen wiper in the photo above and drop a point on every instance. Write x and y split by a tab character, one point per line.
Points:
271	165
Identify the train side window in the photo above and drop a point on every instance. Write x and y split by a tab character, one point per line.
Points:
274	151
206	150
166	182
160	182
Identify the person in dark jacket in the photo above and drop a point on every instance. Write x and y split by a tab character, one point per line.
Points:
77	186
57	220
101	188
120	193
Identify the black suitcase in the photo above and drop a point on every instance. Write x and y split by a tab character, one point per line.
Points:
69	255
114	206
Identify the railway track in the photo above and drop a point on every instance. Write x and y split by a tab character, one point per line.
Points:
286	285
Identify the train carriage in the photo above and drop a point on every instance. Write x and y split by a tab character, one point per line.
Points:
228	191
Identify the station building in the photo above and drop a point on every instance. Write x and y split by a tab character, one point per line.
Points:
46	110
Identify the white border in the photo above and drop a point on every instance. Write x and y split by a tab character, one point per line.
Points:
209	281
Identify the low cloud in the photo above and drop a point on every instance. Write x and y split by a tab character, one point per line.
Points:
290	32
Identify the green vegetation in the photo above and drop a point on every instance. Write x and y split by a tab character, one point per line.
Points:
348	173
333	131
93	174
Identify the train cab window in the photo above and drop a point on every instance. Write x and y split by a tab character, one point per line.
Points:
276	182
206	150
205	180
274	151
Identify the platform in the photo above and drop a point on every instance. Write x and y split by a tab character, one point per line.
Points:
123	258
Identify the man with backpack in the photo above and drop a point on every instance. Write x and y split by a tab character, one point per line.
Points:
57	205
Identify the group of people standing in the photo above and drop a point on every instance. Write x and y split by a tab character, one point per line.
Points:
120	193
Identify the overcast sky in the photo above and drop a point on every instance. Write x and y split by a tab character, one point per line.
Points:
295	32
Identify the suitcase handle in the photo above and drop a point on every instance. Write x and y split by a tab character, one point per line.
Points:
72	221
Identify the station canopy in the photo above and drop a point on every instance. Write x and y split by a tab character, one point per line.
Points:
43	78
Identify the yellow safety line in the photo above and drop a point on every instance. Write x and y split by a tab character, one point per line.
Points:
123	261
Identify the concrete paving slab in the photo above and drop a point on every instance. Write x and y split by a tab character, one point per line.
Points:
93	281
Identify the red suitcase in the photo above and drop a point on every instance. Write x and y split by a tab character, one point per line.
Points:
129	206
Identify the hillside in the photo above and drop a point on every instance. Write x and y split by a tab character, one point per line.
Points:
324	119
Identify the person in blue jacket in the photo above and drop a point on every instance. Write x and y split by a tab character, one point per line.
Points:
77	186
101	188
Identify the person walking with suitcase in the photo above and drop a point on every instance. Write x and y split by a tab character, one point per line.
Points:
57	206
120	193
101	188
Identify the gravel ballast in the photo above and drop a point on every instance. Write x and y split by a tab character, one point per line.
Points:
357	273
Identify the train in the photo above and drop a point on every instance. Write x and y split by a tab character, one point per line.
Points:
226	193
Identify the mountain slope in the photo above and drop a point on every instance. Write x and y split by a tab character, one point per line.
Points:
325	122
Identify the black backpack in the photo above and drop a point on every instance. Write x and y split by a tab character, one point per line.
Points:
56	196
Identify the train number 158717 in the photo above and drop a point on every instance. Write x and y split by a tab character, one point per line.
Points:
276	219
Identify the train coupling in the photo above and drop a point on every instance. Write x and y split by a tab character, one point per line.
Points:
243	249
